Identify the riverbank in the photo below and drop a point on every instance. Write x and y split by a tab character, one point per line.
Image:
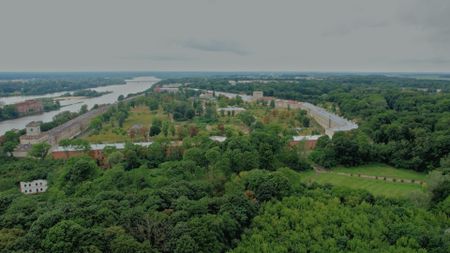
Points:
75	104
27	108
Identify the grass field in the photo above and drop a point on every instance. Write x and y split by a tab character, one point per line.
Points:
376	187
140	115
382	170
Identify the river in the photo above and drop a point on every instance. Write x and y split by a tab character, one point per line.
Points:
136	85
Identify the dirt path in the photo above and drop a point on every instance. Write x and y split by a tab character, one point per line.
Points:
319	169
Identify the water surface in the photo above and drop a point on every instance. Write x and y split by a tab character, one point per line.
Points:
74	104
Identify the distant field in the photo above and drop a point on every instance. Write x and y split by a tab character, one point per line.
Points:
376	187
382	170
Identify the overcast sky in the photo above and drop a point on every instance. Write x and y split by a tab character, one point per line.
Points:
226	35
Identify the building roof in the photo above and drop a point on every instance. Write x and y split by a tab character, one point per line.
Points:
28	102
86	116
306	137
34	124
35	181
23	148
267	98
218	138
231	108
33	137
100	146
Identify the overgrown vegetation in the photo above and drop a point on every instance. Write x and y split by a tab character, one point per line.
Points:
188	193
403	121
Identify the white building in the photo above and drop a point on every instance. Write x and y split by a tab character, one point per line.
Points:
230	110
306	137
218	138
33	187
258	95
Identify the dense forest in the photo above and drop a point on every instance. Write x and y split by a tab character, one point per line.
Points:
241	195
202	200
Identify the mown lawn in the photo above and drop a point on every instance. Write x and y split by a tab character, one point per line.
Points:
376	187
381	170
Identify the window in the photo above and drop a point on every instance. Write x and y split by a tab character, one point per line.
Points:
25	191
41	190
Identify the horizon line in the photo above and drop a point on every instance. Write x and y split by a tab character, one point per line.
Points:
226	71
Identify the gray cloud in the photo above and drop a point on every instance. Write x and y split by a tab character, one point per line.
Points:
427	61
214	45
158	57
431	17
345	28
292	35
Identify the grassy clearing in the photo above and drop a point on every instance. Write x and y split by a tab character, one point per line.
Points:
376	187
107	136
381	170
287	119
111	133
139	115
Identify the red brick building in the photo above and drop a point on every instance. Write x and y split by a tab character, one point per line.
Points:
29	107
96	154
96	151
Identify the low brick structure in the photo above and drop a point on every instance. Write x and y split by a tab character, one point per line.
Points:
33	134
96	151
68	130
29	107
284	103
166	89
73	127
